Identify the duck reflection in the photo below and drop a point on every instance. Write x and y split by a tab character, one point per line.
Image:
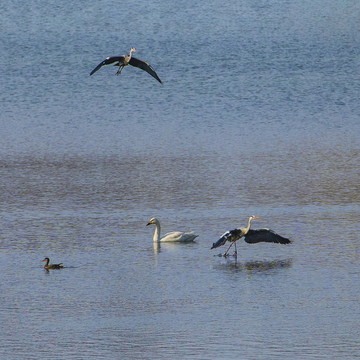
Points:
253	267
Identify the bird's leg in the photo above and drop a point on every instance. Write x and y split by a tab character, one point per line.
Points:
235	252
120	68
227	251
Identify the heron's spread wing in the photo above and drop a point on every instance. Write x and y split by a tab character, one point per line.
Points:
109	60
265	235
144	66
231	235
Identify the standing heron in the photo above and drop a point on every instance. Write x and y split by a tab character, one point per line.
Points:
250	236
125	60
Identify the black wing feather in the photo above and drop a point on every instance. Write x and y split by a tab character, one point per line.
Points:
231	235
144	66
109	60
265	235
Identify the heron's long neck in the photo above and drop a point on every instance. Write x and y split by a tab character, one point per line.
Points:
131	51
248	225
157	232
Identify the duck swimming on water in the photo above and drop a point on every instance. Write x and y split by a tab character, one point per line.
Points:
48	266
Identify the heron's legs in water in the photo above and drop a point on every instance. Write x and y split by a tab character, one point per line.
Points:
227	251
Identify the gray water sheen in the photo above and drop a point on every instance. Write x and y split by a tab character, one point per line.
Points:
259	114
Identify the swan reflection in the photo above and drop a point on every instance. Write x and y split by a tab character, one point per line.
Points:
157	247
170	246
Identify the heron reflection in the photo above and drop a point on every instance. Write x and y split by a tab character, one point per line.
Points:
253	267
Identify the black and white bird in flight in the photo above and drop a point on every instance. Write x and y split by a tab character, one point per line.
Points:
125	60
250	236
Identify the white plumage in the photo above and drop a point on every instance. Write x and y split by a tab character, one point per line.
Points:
173	236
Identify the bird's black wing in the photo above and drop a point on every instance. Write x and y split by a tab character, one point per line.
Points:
265	235
144	66
109	60
55	266
231	235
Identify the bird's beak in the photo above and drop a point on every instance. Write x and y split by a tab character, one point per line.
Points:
256	217
43	260
149	223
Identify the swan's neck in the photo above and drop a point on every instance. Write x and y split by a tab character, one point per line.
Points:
157	232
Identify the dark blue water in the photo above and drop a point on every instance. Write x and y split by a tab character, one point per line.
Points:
258	114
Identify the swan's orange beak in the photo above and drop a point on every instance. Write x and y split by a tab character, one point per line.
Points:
43	260
256	217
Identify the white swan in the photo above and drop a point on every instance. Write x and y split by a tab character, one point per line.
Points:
174	236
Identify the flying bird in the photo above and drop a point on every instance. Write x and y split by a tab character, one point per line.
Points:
174	236
125	60
48	266
250	236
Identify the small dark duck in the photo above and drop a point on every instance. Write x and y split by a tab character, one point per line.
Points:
48	266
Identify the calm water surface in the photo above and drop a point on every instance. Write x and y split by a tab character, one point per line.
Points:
258	114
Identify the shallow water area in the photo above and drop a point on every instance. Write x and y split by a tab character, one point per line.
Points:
258	115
